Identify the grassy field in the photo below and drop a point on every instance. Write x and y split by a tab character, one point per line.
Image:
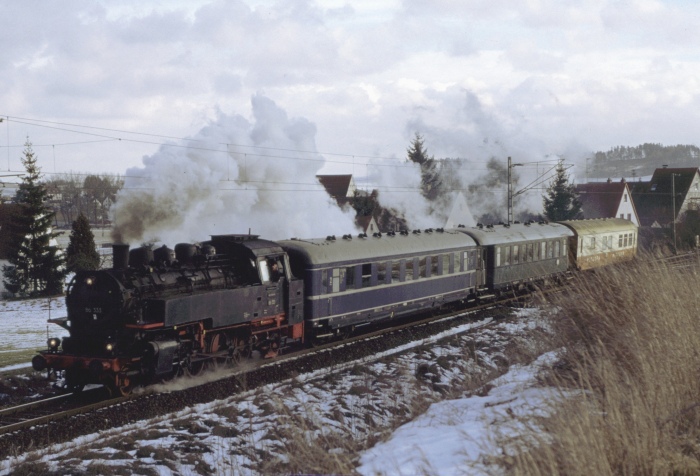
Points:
632	355
17	357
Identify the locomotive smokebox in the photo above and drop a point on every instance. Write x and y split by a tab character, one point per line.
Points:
120	255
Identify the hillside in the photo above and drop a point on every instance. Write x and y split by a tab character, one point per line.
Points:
640	161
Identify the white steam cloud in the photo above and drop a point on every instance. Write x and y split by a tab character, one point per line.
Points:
234	176
459	126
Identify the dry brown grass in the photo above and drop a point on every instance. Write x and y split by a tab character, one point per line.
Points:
632	355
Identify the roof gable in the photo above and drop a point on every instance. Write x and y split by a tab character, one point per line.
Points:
654	199
600	199
337	186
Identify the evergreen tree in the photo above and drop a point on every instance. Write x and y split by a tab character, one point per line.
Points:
81	252
37	266
430	177
561	201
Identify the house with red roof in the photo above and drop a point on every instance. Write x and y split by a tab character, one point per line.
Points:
340	187
607	200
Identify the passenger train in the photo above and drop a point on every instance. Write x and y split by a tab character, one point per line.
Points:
160	312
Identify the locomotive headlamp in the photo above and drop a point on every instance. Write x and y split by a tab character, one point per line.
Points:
89	280
109	347
53	343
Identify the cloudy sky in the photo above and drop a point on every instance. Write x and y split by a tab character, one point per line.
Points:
263	95
476	77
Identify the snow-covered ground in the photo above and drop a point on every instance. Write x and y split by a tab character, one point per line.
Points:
24	326
453	423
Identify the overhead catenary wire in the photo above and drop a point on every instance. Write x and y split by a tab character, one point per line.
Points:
244	156
396	161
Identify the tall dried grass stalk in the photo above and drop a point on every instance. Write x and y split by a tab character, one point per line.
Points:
631	336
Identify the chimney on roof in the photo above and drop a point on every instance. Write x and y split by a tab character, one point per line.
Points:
665	166
623	180
609	180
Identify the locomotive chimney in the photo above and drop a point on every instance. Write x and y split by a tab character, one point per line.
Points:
120	255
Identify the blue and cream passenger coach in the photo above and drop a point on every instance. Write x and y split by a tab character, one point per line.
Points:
353	281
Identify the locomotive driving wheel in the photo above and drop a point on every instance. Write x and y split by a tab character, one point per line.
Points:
215	347
194	367
123	384
238	351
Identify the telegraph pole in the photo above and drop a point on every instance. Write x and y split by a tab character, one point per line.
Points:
673	193
510	189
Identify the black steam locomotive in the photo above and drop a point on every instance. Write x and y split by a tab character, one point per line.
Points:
159	313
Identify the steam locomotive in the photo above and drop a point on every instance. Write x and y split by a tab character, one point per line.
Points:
160	312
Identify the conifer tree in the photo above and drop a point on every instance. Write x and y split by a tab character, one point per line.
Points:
81	252
36	265
430	177
561	201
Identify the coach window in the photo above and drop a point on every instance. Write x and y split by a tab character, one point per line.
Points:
592	242
381	273
447	263
395	271
409	269
498	256
557	248
543	250
619	245
421	267
350	277
549	250
625	240
435	265
506	256
366	275
516	254
324	281
471	263
531	252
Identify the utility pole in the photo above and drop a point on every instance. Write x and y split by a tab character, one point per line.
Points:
673	193
510	189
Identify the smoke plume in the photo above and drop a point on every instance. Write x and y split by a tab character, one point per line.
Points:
476	143
234	176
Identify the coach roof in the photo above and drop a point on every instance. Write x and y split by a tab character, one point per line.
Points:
600	226
375	248
517	232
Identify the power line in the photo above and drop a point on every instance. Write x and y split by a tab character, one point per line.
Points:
109	138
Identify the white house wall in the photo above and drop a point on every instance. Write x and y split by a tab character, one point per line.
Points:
692	199
626	208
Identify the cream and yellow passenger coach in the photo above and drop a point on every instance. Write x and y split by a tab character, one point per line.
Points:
602	241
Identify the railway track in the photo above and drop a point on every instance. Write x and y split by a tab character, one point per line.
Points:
65	417
53	408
